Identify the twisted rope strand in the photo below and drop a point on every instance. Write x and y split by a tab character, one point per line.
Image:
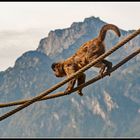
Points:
59	94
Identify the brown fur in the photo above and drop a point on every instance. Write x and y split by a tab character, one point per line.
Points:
88	52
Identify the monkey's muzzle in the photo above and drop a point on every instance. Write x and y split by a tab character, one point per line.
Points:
53	66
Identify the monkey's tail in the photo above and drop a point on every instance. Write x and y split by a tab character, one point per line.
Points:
107	27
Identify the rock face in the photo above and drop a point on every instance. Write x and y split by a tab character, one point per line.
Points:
62	43
109	108
61	39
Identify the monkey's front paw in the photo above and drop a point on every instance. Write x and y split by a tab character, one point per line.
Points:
67	91
80	93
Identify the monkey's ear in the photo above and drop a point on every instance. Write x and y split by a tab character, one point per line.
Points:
53	65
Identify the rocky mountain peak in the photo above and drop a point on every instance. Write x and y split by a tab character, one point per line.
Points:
61	39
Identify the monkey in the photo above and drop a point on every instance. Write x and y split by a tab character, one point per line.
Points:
87	52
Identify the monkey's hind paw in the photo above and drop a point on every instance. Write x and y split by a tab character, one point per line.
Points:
108	71
109	74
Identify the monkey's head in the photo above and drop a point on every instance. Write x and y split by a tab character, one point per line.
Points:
58	69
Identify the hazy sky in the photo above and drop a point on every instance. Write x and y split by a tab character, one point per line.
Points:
23	24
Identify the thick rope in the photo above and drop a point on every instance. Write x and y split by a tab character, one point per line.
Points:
43	94
59	94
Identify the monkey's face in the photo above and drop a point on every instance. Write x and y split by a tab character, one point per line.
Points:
58	69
